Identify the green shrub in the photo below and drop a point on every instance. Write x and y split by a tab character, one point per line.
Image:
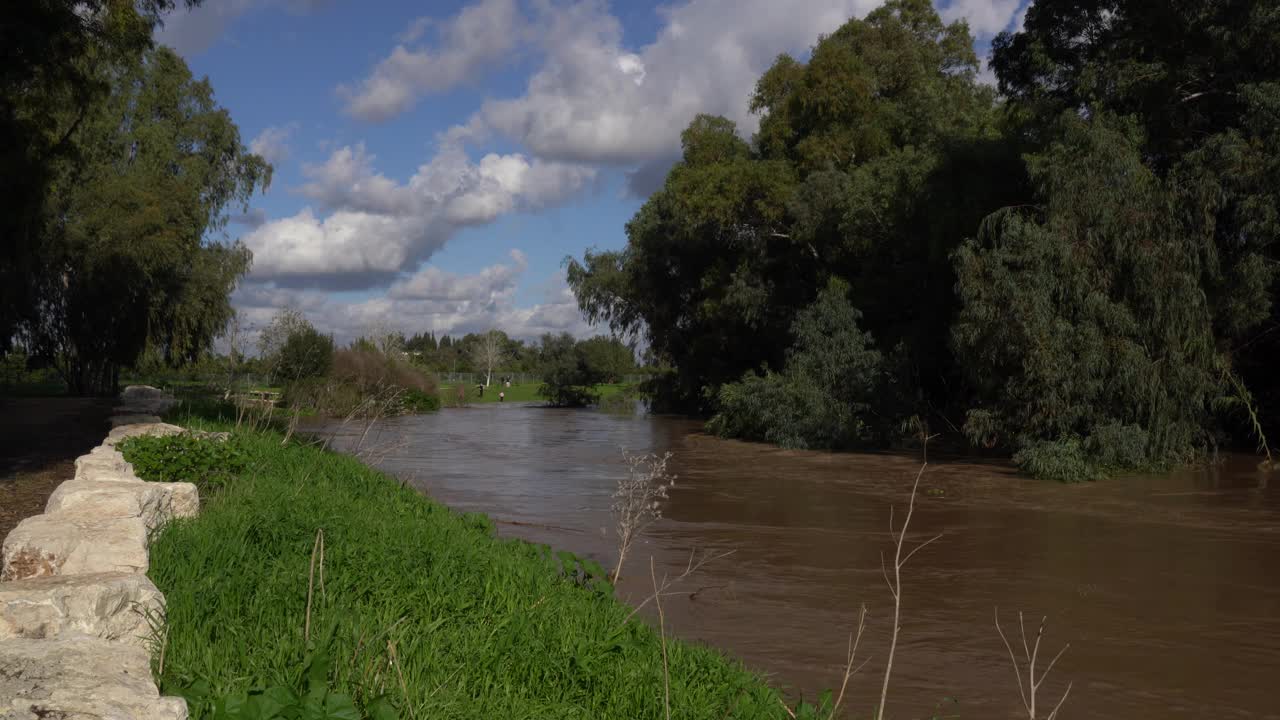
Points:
1118	447
414	400
825	396
306	353
568	377
184	458
1062	460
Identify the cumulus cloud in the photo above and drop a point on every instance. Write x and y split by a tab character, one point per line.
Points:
478	36
431	300
595	101
377	227
273	143
488	286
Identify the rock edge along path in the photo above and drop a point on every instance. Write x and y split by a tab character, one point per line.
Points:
76	606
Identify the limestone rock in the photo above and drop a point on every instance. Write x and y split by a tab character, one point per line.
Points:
68	544
121	420
80	678
104	463
144	399
155	502
126	431
109	606
141	392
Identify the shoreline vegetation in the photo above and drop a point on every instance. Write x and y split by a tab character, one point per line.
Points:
307	569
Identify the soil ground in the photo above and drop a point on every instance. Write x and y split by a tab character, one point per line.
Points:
40	438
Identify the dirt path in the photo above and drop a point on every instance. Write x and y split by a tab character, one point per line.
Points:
40	438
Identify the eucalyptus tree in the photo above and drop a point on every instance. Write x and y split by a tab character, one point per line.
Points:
50	51
130	256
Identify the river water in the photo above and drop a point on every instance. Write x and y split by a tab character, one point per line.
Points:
1167	588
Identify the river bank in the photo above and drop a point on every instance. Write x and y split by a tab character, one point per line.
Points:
305	559
1164	585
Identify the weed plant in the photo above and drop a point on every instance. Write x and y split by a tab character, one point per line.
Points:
408	606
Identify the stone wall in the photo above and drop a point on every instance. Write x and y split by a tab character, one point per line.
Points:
77	610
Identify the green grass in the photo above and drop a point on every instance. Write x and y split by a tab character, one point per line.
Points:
481	627
519	392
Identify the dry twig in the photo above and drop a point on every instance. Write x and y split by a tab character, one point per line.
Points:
1032	652
895	585
662	633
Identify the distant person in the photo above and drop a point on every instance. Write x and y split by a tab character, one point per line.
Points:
508	382
502	396
480	389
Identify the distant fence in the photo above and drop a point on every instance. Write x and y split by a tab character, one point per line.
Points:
448	378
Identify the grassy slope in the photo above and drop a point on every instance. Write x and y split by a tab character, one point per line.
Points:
519	392
483	628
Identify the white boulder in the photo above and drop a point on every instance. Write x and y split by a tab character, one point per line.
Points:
126	431
155	502
80	678
103	463
117	607
70	544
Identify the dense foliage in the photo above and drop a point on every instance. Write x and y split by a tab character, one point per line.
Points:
569	378
1081	273
50	54
207	462
114	254
827	396
306	353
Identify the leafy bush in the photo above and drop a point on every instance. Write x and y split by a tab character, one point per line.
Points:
365	380
1118	447
184	458
824	398
1062	460
417	401
568	376
1084	326
306	353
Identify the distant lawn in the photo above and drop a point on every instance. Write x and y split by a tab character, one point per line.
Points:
519	392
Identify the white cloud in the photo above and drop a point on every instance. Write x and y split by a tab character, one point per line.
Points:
415	31
986	17
429	300
377	227
273	143
593	100
478	36
487	286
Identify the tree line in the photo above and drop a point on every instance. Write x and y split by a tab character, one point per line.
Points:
1077	267
291	353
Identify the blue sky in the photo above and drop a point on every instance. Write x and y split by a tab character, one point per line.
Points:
436	161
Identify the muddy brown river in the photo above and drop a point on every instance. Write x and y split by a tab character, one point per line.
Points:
1166	587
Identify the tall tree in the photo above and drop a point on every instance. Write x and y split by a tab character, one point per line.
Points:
870	159
1201	82
488	352
1085	325
50	53
125	250
1201	78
